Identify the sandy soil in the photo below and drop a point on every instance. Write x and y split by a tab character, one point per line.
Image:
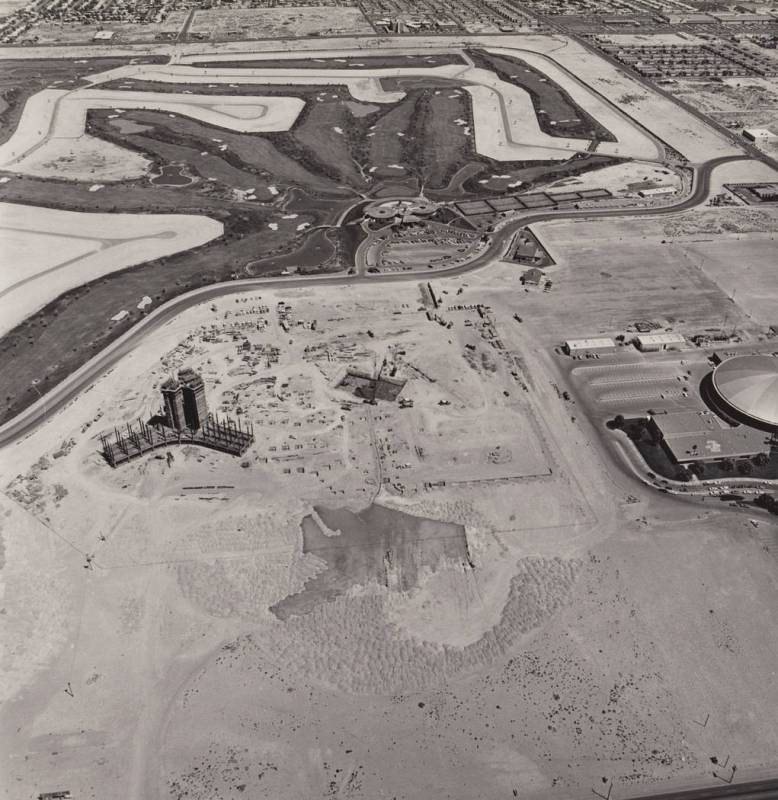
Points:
50	251
678	128
631	140
73	33
741	172
276	22
621	178
614	273
738	96
743	265
548	663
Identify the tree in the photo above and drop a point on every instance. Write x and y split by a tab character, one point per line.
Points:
698	469
727	465
768	502
682	474
745	468
761	459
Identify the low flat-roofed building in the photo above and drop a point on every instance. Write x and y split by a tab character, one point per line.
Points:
652	342
532	277
767	191
599	345
691	18
656	190
103	36
690	436
758	134
730	18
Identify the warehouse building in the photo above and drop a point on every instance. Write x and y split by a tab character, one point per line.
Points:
760	135
656	191
766	192
696	436
654	342
579	347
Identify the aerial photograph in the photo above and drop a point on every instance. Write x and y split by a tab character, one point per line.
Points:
389	399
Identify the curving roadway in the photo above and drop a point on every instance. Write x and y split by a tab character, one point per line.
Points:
26	421
751	790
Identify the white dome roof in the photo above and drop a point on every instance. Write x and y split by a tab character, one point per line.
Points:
750	385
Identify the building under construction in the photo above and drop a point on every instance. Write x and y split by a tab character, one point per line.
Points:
372	388
184	401
186	420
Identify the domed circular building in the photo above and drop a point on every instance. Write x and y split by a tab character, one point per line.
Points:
747	388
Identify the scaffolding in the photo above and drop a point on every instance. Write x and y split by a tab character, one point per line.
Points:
225	435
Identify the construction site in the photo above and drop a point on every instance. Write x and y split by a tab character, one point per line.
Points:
401	495
390	401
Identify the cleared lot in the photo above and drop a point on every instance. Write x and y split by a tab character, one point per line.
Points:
613	272
274	23
541	634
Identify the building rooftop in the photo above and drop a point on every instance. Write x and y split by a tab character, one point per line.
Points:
684	423
589	344
702	436
661	338
750	385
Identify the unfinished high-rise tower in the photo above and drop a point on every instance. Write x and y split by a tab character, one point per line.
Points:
184	401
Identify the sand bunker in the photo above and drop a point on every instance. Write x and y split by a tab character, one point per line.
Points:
378	544
241	111
46	252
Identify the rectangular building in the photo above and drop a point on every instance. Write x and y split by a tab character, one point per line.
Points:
656	191
653	342
766	192
690	436
575	347
729	18
758	134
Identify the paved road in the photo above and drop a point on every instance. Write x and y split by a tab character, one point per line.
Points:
727	133
26	421
751	790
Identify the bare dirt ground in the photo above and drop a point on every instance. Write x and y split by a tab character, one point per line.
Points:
621	179
551	661
50	32
274	23
613	273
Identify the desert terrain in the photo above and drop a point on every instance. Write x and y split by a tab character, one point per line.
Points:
438	570
529	625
